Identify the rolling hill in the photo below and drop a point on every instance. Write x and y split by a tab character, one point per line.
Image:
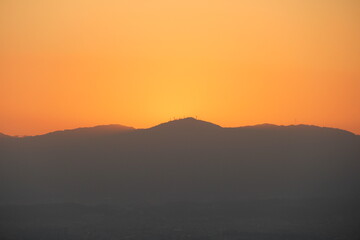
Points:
181	160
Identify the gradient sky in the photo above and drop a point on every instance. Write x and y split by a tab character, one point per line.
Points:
73	63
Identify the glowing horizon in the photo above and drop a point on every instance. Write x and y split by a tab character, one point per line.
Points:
69	64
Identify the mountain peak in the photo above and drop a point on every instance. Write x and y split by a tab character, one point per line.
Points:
188	123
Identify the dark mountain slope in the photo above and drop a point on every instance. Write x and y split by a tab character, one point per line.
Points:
97	130
183	160
4	136
83	133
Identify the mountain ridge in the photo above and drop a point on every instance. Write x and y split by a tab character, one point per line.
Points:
2	135
188	123
176	163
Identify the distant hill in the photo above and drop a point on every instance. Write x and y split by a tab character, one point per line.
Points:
181	160
186	124
97	131
3	136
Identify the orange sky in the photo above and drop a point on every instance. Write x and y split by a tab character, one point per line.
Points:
72	63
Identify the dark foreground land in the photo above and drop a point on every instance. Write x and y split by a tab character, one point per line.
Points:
260	219
191	178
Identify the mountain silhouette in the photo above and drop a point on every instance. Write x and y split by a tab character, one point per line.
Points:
97	130
4	136
186	124
181	160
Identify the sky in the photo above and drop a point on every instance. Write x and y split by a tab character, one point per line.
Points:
76	63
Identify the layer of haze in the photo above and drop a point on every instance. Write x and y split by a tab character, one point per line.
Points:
72	63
